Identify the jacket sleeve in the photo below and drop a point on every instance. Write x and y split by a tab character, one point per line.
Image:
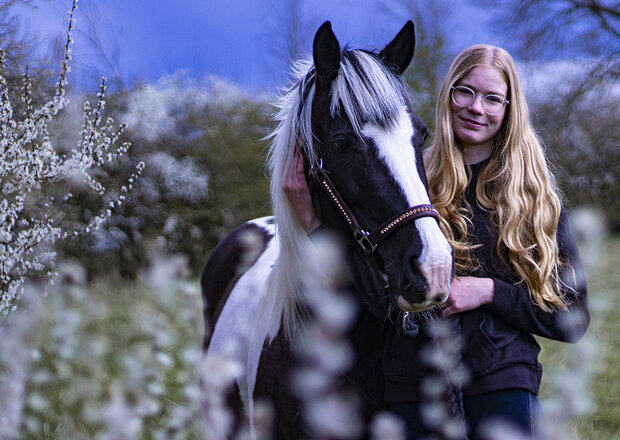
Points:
513	304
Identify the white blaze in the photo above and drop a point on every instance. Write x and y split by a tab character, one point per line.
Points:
396	150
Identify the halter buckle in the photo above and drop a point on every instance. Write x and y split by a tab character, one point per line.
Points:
365	243
315	166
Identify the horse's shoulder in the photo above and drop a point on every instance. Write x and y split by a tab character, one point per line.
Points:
249	237
230	259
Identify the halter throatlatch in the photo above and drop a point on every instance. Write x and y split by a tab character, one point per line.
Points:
369	241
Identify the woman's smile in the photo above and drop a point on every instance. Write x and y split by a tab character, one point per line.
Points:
471	123
473	126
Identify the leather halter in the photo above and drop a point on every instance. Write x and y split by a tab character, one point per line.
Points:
369	241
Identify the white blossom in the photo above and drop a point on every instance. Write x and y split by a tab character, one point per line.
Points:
30	219
181	179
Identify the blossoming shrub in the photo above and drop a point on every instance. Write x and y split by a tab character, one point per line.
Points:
33	169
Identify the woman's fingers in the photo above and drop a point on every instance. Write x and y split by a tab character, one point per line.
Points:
295	181
296	189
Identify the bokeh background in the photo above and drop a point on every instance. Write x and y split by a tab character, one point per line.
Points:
195	80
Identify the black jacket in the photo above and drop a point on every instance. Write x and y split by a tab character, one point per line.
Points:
498	347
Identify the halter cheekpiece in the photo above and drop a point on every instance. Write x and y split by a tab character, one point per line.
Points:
369	241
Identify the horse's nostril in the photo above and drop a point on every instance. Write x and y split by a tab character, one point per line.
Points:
439	298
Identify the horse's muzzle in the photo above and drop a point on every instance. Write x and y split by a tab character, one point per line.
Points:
436	300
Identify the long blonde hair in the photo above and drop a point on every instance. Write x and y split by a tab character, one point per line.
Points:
516	186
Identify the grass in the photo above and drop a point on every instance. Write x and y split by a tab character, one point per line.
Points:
598	354
114	361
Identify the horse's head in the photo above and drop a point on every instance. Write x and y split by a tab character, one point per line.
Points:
365	141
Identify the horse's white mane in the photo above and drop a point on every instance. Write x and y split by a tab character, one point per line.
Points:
364	90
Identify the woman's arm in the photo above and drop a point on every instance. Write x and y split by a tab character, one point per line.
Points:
468	293
513	303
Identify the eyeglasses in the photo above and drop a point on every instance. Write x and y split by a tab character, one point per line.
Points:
465	97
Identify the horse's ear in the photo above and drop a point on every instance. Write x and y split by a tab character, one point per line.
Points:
399	52
326	53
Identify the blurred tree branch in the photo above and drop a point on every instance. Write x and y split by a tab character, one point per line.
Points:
294	28
18	45
109	55
605	14
543	28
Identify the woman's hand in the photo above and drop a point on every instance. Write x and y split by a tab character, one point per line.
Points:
468	293
296	189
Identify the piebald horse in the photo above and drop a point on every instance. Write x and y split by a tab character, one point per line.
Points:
350	113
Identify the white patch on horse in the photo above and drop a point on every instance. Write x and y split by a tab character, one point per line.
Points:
267	223
395	148
234	329
435	261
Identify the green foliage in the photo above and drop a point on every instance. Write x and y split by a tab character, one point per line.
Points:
604	422
204	175
234	157
425	84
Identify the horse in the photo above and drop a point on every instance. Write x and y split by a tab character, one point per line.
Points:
350	113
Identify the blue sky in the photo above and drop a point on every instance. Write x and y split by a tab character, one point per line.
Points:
241	40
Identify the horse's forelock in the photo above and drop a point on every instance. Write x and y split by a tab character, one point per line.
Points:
367	90
294	119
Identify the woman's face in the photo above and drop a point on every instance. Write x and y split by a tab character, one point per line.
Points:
473	126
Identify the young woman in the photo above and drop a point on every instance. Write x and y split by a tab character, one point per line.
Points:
518	272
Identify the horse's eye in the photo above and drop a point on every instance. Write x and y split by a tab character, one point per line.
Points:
341	144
